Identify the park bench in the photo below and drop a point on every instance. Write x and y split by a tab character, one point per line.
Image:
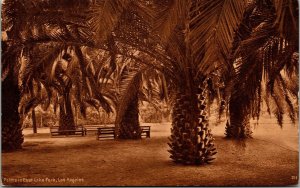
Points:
106	132
109	132
79	130
91	128
145	131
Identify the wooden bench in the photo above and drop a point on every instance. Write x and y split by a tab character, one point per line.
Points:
109	132
106	132
79	130
91	128
145	131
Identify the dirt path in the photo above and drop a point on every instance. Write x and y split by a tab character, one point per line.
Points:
86	161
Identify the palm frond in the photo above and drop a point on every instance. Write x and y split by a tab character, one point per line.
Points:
287	18
104	17
87	73
212	30
9	59
170	14
28	104
92	102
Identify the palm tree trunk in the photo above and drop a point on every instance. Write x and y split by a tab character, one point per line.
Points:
62	117
66	117
33	117
76	114
129	127
239	125
191	141
12	137
69	112
41	120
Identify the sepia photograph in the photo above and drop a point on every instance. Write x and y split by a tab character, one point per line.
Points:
150	93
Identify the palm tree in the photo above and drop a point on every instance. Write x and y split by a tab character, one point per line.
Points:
29	101
265	58
12	136
47	21
57	24
66	80
136	85
124	26
197	37
60	25
189	41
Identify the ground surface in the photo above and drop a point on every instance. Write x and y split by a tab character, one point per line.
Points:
270	158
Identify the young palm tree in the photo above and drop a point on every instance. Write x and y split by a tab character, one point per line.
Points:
29	101
127	117
136	85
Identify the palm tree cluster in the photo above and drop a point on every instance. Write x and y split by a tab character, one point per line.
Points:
111	54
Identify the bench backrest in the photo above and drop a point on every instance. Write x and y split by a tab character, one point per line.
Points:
56	128
106	128
146	128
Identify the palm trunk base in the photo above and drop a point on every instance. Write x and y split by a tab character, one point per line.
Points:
11	133
12	137
191	141
241	131
128	131
239	125
66	121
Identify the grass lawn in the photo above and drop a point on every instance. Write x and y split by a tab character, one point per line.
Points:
270	158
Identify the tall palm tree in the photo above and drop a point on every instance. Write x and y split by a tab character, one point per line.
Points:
266	62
